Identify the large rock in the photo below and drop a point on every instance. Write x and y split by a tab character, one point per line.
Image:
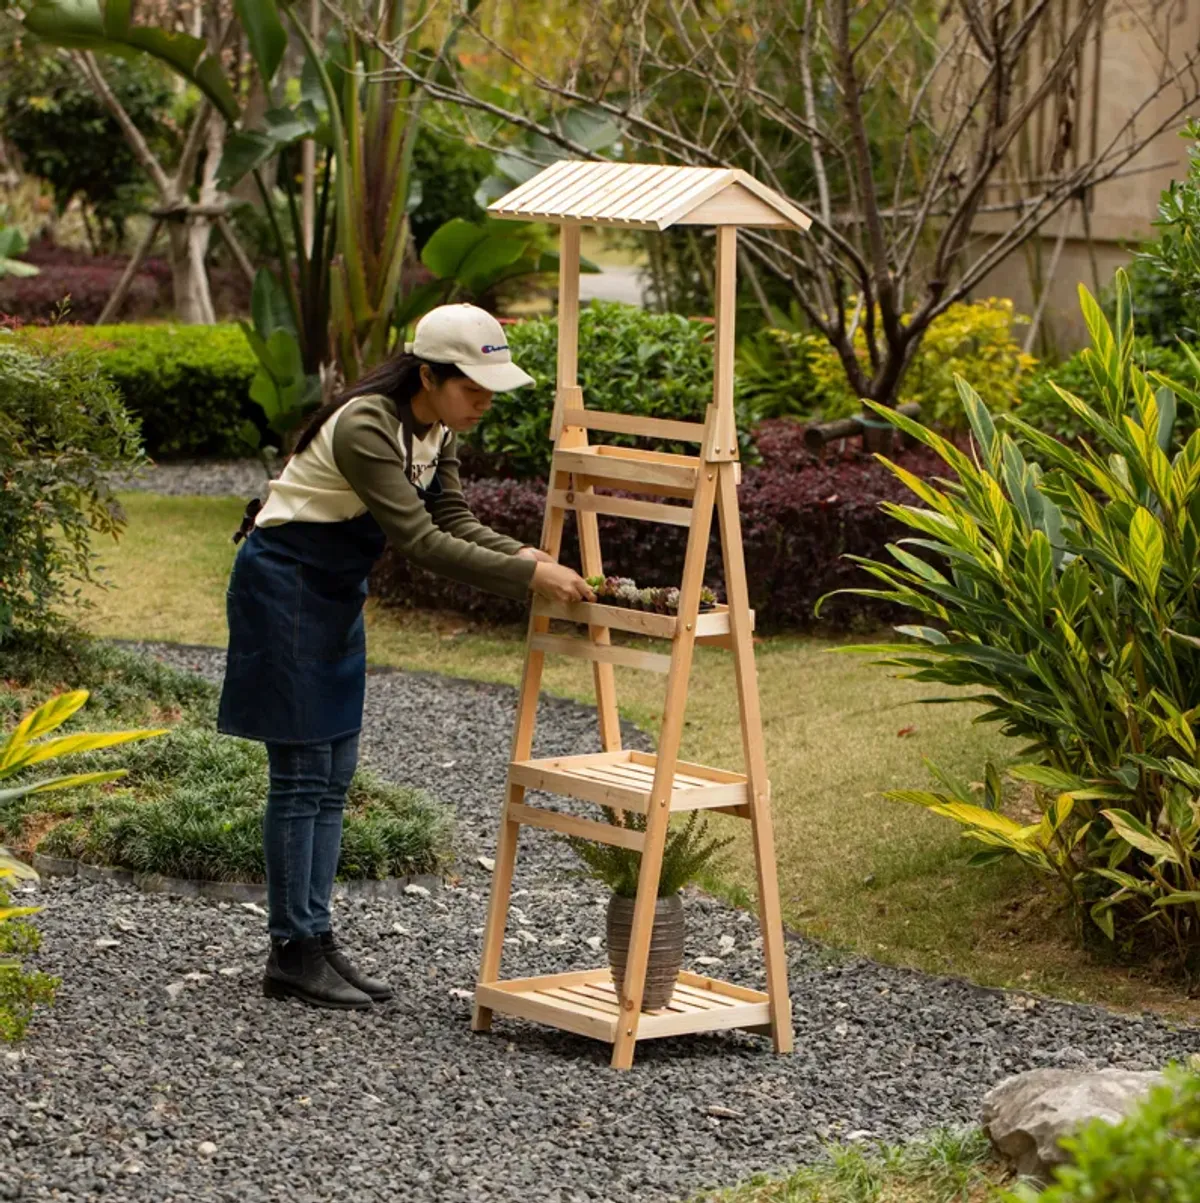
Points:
1026	1116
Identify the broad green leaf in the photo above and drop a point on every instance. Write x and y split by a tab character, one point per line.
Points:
108	29
1146	549
1102	916
450	244
270	309
1051	778
265	34
1133	831
1179	898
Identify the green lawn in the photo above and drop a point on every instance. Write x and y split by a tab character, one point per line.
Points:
856	871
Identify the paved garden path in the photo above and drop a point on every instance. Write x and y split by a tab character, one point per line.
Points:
122	1091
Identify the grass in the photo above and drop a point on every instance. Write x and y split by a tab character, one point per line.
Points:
863	874
944	1167
192	801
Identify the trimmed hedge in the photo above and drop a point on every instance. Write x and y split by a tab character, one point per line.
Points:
800	518
189	385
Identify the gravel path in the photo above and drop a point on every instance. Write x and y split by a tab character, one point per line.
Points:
124	1092
199	477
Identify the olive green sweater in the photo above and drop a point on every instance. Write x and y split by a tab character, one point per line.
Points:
359	461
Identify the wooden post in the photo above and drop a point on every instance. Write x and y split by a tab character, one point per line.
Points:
722	444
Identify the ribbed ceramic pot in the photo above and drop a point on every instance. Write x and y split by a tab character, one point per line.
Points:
666	947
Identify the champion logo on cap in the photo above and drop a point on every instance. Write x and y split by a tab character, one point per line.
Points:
488	350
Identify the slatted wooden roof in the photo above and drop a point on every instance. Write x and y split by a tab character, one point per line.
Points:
642	196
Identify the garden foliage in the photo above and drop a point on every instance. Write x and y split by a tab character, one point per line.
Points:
188	385
1152	1156
1062	592
190	803
63	430
630	361
20	989
801	518
791	371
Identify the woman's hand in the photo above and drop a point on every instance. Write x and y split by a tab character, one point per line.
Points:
533	553
559	583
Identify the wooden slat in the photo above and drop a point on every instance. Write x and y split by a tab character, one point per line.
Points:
742	1016
597	480
627	469
544	981
550	781
718	986
555	1012
622	507
702	772
703	998
576	997
587	829
659	626
583	649
709	799
634	424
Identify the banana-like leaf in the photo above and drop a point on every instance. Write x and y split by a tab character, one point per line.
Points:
108	28
265	34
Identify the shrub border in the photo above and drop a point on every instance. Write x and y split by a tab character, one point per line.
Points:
222	891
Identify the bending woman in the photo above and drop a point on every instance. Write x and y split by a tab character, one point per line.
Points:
378	464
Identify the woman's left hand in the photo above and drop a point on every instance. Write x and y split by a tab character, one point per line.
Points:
533	553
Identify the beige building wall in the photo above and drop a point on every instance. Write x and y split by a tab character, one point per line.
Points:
1129	56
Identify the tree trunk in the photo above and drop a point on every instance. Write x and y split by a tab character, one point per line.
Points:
189	274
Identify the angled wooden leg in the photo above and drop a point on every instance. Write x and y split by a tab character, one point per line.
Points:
670	735
522	747
758	787
497	917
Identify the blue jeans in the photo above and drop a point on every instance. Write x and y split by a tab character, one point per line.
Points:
302	832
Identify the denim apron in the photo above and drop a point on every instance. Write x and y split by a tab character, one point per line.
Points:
297	661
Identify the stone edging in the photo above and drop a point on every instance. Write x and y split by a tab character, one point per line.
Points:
223	891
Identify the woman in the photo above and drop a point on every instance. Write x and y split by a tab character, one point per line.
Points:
378	464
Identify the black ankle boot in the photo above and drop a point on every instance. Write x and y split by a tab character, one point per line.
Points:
377	990
298	969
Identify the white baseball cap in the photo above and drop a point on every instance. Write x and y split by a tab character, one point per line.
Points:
472	340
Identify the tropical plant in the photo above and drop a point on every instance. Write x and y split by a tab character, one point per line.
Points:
20	990
25	746
471	259
687	854
63	435
1152	1156
1066	594
327	312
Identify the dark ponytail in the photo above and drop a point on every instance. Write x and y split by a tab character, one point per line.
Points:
398	379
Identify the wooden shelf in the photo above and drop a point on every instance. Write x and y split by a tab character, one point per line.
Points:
587	1003
710	624
623	780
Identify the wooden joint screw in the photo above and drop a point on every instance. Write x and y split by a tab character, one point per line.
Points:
710	476
570	498
629	1031
687	626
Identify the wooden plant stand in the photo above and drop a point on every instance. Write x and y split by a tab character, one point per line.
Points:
641	197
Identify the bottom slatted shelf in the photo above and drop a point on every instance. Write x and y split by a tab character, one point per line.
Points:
586	1002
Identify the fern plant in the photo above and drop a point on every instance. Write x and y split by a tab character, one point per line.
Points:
688	853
